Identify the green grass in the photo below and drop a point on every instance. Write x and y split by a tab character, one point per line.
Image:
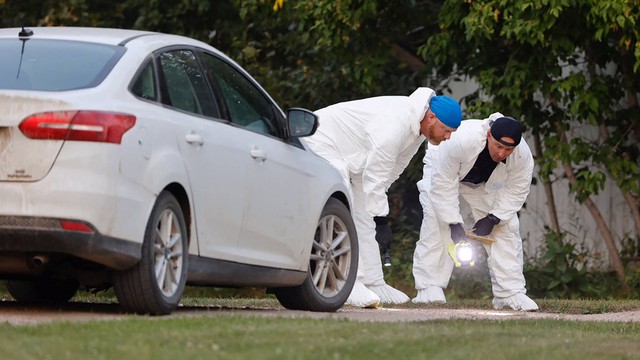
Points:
225	335
556	306
236	337
195	296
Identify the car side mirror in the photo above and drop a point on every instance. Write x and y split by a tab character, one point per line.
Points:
302	122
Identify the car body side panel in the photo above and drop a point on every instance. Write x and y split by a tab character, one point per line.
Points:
152	162
275	230
214	272
217	169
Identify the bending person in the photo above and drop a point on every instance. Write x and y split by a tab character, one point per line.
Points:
371	141
489	165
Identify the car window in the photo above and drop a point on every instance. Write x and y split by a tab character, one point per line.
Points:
145	84
246	104
55	65
186	84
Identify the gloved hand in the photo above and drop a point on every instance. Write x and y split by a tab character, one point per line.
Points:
484	226
383	233
457	232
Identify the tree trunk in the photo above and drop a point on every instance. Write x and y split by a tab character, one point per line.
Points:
548	190
632	201
614	255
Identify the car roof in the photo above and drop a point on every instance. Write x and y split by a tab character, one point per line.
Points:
111	36
108	36
144	40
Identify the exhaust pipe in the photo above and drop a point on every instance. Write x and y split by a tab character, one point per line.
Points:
39	261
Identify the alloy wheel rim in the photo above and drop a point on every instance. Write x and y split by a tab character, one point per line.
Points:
168	253
331	256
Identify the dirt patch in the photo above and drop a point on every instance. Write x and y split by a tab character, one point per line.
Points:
17	314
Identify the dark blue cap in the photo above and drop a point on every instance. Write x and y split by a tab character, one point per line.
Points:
506	127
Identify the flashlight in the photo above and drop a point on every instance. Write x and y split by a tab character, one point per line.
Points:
462	254
387	259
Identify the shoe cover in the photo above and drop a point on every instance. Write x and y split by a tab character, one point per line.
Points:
362	297
388	294
432	294
520	302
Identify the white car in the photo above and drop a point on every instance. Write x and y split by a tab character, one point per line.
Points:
147	162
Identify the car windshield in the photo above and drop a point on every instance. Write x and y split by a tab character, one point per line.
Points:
54	65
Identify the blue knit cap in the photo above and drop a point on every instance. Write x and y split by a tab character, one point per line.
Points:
446	110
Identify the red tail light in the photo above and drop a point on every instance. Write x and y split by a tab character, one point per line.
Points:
78	126
75	226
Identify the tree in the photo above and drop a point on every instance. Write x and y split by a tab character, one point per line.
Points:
326	51
564	65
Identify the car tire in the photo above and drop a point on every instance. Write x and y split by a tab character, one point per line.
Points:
333	264
155	285
42	290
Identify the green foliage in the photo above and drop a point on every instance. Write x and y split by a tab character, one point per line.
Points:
588	183
555	64
562	272
569	70
561	66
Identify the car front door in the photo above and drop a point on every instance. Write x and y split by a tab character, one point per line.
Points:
277	213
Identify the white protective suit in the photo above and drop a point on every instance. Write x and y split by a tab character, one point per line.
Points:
371	141
502	195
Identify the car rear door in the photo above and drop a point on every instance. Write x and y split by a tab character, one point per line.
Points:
215	155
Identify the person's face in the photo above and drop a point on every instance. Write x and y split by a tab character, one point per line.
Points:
498	150
434	130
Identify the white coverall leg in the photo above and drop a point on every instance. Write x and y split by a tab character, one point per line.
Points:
432	266
360	296
370	289
369	262
505	256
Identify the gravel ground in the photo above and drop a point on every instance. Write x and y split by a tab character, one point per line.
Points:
16	314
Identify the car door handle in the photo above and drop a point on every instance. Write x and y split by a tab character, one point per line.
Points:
258	154
194	139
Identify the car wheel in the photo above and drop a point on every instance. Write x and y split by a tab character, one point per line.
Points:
332	266
42	291
155	285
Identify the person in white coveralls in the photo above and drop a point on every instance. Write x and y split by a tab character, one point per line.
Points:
489	165
371	141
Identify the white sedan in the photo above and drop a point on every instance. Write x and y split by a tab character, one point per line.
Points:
147	162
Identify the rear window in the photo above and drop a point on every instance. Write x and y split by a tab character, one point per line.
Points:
55	65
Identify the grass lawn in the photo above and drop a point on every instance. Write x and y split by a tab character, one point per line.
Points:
241	337
238	337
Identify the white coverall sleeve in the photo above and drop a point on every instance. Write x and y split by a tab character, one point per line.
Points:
445	180
386	144
511	198
420	107
402	162
495	116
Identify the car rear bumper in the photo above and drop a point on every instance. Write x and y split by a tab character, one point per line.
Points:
24	234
